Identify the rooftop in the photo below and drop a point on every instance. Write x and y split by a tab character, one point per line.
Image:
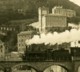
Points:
24	21
25	32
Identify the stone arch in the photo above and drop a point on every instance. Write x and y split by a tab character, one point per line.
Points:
65	65
13	67
57	65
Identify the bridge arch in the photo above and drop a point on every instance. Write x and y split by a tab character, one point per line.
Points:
24	64
56	65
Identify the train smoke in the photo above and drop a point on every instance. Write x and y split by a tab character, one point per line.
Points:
59	38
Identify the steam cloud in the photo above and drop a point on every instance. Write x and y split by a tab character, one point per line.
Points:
53	38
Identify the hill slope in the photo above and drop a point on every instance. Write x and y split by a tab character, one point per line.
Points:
19	9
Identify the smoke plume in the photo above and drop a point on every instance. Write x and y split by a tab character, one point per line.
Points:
53	38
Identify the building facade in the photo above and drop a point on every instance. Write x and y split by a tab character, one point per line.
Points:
51	22
22	39
55	21
2	50
58	10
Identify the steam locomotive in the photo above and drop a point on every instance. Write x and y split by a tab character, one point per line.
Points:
42	52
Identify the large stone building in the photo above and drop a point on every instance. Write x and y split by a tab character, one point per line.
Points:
59	10
22	39
2	50
51	22
55	21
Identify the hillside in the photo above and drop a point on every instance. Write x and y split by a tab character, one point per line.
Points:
25	9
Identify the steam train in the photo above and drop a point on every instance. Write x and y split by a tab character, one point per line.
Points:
41	52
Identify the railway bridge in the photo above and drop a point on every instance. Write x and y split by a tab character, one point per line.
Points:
11	66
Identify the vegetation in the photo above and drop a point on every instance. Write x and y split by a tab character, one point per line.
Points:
25	9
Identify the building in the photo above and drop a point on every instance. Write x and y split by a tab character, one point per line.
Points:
2	50
21	38
55	21
59	10
52	23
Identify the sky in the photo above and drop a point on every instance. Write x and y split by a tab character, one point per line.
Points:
76	2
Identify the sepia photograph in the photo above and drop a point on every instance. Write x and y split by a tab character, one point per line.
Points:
39	35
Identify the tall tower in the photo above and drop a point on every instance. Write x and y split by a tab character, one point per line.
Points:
41	12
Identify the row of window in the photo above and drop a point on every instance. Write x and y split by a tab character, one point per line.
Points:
66	13
4	28
56	24
55	18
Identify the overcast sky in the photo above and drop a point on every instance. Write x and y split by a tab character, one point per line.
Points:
76	2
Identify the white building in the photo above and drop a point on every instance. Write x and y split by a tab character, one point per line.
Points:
21	38
59	10
56	21
51	22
